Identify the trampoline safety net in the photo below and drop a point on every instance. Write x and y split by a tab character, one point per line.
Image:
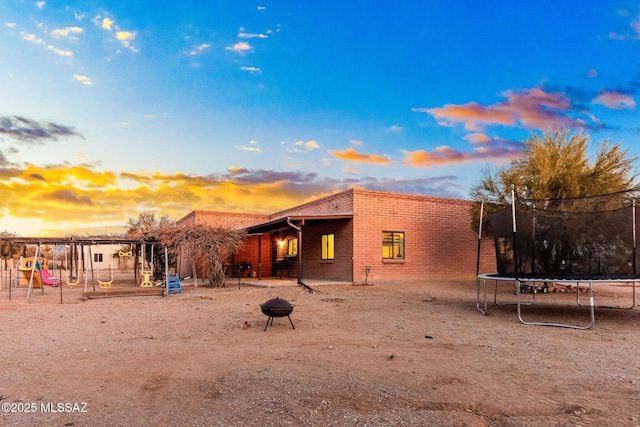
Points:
591	236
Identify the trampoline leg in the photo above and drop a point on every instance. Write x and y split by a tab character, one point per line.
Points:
561	325
484	283
633	299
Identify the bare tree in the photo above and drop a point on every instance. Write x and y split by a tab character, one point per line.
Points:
208	246
149	225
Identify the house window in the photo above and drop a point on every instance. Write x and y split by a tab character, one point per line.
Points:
292	246
392	245
97	257
327	246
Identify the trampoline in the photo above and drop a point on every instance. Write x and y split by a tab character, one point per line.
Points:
583	241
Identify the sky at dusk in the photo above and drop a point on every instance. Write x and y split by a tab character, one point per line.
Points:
111	108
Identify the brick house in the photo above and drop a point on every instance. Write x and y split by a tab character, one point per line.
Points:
359	236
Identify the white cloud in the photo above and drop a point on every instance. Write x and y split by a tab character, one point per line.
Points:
251	69
311	145
82	79
240	47
199	49
395	128
244	35
64	32
242	147
30	37
10	24
60	51
355	142
40	4
107	24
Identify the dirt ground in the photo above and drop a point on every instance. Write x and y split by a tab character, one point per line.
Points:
403	354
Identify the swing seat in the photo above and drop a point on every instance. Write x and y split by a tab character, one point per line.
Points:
146	282
105	285
173	284
73	283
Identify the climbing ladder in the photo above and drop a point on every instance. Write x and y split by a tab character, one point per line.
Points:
173	284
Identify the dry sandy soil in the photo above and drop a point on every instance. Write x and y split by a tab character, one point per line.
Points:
380	355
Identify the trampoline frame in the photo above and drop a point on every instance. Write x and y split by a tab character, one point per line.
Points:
482	305
522	280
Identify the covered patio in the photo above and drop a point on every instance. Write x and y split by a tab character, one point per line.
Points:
295	242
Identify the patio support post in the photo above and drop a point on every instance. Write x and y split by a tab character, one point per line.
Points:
299	230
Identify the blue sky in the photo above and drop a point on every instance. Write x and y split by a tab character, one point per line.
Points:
110	108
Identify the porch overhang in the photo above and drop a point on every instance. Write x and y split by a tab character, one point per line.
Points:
283	223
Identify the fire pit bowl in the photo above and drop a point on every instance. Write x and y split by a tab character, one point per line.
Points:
276	307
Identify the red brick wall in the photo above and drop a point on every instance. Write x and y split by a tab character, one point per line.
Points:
439	241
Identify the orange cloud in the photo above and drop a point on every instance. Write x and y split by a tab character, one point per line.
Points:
615	100
352	155
528	108
487	150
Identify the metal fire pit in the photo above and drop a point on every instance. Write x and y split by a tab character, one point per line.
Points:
277	307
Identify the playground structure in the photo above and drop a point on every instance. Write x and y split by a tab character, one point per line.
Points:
74	256
35	271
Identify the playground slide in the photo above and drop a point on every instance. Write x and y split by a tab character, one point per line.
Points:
48	279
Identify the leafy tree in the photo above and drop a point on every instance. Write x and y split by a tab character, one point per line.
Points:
557	165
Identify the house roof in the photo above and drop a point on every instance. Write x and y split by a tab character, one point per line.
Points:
284	222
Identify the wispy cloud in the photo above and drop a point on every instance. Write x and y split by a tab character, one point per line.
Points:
198	50
351	155
486	149
249	148
242	34
40	4
65	32
30	37
10	24
395	128
27	130
125	37
615	100
526	108
251	69
60	52
309	145
82	79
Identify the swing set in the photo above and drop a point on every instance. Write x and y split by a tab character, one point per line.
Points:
74	255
